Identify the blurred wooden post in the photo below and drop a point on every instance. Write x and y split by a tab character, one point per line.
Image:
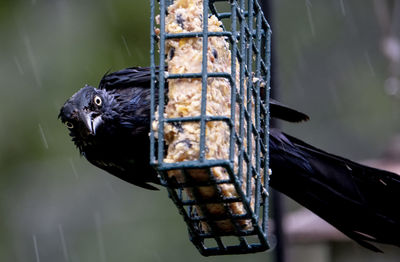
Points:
277	201
387	14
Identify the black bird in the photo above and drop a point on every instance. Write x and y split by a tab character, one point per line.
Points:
110	126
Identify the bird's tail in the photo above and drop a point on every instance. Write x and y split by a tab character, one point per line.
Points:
360	201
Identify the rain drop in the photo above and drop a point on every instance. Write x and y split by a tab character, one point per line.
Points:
126	45
342	7
310	19
100	240
32	60
18	64
371	68
46	145
35	246
73	168
63	243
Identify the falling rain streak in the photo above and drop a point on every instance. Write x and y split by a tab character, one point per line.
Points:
342	7
18	64
139	54
32	60
35	246
310	19
46	145
335	97
73	168
126	45
100	237
63	243
371	68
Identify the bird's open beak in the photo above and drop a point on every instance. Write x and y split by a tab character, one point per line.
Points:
91	122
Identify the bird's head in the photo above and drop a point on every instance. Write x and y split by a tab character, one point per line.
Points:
82	113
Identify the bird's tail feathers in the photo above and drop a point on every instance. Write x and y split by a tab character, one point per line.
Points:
350	196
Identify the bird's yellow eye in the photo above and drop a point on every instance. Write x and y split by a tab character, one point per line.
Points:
97	100
69	124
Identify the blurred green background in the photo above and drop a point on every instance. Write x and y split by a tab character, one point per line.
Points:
54	206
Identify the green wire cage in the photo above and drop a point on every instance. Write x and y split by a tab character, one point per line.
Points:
249	37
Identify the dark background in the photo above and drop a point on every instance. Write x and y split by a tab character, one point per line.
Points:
55	206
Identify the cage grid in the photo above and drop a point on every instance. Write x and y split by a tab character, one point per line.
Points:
249	37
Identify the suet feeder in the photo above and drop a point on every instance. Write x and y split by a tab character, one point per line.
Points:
223	198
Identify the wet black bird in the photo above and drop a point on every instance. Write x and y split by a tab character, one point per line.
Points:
110	126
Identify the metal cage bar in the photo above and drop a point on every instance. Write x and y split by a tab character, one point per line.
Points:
248	34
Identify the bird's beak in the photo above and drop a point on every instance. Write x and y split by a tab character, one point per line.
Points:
91	122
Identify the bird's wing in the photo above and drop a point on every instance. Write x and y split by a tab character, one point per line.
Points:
126	78
141	77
